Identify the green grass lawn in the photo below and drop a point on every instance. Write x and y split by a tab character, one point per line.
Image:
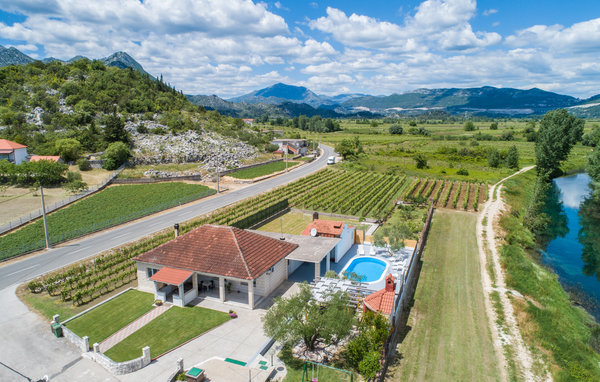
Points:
449	337
109	207
295	370
170	329
100	323
266	169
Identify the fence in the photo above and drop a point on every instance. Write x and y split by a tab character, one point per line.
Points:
406	293
261	215
53	207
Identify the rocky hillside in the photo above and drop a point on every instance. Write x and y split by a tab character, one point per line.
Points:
12	56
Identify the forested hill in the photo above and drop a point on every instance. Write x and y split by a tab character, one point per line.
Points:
42	102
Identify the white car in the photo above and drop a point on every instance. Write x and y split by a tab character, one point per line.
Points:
331	160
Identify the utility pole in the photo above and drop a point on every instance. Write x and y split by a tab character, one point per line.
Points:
45	220
286	150
218	177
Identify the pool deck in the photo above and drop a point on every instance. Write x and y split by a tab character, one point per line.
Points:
399	262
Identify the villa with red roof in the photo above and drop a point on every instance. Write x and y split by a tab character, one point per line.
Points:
335	229
226	264
12	151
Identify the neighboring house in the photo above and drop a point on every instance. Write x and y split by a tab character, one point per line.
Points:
336	229
12	151
382	301
214	258
53	158
248	121
292	146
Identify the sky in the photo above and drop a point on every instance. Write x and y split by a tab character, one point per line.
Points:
233	47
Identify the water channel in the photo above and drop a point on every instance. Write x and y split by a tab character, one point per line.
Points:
574	253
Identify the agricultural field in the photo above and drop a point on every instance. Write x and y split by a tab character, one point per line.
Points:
265	169
109	207
447	147
448	336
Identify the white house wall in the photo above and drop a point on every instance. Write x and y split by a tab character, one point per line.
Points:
345	243
268	281
144	282
293	265
20	155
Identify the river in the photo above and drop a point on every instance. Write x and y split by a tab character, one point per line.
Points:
575	256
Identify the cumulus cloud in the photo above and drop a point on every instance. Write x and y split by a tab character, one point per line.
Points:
436	24
580	37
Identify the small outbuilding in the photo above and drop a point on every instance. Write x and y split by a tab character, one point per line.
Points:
52	158
334	229
383	300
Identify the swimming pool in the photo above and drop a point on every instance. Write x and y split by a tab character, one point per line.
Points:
369	269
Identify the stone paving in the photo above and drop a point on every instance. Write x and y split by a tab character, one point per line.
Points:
133	327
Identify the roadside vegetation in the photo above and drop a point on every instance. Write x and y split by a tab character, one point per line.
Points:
109	207
447	332
265	169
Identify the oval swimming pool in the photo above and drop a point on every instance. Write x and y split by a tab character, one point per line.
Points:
369	269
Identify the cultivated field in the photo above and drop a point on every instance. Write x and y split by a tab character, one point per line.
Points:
449	337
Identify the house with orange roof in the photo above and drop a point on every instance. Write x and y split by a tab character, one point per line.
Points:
383	300
12	151
292	146
335	229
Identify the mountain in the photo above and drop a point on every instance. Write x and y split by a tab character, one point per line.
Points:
12	56
484	100
122	60
280	93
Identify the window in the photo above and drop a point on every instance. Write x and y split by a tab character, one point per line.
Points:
150	272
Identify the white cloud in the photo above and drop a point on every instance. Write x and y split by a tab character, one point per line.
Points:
490	11
580	37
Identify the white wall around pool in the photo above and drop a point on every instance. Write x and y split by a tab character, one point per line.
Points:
373	285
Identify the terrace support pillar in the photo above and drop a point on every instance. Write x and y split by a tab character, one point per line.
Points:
327	263
195	283
251	294
181	294
222	289
317	270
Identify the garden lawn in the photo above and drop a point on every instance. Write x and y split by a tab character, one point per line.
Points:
170	329
449	339
109	207
103	321
265	169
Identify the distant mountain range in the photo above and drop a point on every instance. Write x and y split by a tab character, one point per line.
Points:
12	56
289	100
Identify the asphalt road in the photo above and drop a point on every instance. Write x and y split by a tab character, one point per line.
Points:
33	266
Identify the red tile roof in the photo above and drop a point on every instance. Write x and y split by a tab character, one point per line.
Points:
5	144
219	250
171	276
382	300
35	158
325	227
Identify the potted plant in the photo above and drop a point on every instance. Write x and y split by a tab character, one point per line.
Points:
158	302
232	314
228	286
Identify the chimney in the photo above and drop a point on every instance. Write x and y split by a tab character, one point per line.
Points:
315	216
390	285
176	226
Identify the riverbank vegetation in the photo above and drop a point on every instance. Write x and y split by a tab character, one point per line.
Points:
564	335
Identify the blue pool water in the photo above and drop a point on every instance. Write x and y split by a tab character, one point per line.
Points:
368	267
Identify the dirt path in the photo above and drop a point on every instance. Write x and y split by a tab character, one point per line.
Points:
506	334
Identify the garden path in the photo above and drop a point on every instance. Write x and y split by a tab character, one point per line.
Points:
133	327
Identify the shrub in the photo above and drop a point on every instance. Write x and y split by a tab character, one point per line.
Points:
84	164
142	129
395	129
469	126
420	161
507	136
271	147
462	171
116	154
494	126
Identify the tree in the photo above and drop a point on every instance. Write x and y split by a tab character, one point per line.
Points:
494	126
593	165
395	129
512	158
347	148
302	318
469	126
68	149
114	129
493	158
395	235
116	154
420	160
557	134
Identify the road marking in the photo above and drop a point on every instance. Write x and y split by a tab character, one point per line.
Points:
80	249
23	270
119	236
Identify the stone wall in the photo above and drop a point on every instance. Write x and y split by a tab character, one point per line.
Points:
120	368
82	343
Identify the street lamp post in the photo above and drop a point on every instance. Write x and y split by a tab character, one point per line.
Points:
45	220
